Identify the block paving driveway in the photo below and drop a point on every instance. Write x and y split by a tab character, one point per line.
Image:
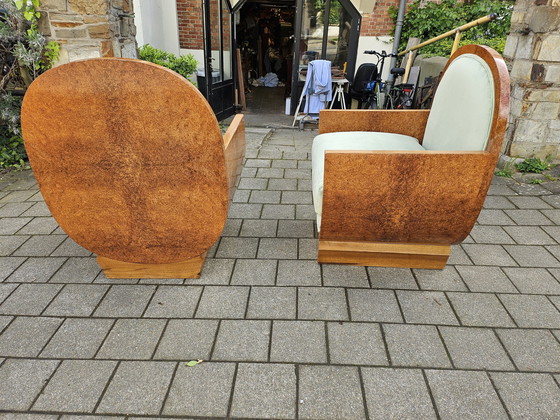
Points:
280	335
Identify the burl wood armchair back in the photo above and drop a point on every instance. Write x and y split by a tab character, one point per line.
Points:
132	163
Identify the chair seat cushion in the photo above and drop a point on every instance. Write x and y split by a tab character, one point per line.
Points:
351	140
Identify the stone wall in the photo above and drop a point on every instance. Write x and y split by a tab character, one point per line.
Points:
90	28
533	55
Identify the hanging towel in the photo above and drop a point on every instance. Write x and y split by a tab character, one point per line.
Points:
318	86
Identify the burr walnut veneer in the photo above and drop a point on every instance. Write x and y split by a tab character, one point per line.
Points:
404	208
131	161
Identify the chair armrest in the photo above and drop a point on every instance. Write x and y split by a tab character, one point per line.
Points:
405	196
409	122
234	151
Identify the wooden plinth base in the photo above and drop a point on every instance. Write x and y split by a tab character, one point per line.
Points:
188	269
378	254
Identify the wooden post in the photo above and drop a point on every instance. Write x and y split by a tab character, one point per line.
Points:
456	41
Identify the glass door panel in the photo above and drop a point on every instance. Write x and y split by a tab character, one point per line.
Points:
312	30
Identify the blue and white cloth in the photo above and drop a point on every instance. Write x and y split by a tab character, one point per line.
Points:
318	86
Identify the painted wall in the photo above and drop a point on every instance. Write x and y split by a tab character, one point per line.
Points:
156	24
376	43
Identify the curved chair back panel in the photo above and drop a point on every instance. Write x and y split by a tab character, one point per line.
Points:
129	157
365	73
463	107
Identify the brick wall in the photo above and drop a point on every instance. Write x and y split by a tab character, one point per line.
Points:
189	15
378	23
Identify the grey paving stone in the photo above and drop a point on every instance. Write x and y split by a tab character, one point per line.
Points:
270	173
264	391
6	290
529	217
137	388
259	228
374	305
298	342
174	302
391	278
553	200
237	248
244	211
296	229
39	246
332	392
480	310
446	279
10	225
497	189
301	155
397	394
125	301
553	215
532	350
78	338
36	270
241	196
13	209
298	173
494	217
552	231
243	340
21	380
270	154
319	303
39	226
285	163
26	337
69	248
307	249
529	235
488	255
475	348
465	395
132	339
486	279
528	396
297	197
265	197
38	209
279	248
278	211
257	163
305	212
17	196
187	339
554	250
490	235
29	299
531	311
215	271
76	386
25	416
9	244
426	308
356	344
223	302
533	280
77	270
282	184
4	321
532	256
458	256
298	273
272	303
415	345
498	202
202	390
344	275
254	272
76	300
524	202
252	184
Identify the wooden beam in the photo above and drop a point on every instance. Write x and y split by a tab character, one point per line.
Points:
379	254
188	269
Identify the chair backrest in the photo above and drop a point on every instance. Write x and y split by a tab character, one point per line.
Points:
365	73
465	103
129	157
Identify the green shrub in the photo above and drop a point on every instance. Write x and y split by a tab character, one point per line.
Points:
533	165
427	20
185	65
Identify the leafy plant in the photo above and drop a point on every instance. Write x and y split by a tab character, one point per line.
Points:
12	152
506	173
426	20
533	165
185	65
537	181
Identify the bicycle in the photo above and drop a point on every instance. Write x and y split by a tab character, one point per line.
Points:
379	96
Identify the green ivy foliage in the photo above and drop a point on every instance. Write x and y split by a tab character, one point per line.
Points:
427	20
185	65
